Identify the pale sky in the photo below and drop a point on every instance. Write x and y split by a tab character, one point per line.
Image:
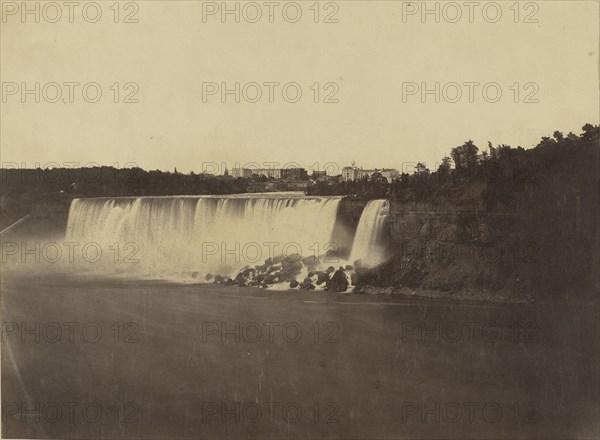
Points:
370	54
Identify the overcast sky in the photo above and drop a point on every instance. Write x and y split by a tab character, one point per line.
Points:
369	55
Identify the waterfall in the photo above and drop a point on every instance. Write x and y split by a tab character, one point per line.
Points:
164	237
183	237
369	238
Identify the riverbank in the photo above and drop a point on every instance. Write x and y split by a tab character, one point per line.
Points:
492	297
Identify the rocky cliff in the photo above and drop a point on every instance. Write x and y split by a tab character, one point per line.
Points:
479	254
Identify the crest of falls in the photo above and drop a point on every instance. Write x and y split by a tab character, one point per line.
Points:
165	237
369	239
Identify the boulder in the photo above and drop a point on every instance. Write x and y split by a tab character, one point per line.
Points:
307	284
291	268
322	277
238	278
274	268
338	282
261	269
271	279
248	271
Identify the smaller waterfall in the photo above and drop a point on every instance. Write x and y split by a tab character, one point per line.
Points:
369	239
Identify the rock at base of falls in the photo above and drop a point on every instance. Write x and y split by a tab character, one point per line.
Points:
286	271
339	281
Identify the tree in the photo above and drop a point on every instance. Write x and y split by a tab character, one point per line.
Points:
558	136
493	152
376	186
465	157
590	133
421	168
572	137
546	141
443	170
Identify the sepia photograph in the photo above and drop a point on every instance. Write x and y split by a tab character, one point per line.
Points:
300	220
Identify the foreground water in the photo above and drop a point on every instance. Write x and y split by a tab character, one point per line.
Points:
147	360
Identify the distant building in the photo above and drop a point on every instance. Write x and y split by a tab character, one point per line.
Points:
240	172
354	173
294	174
269	173
350	173
319	175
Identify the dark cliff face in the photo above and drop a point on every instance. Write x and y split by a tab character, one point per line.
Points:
450	251
540	240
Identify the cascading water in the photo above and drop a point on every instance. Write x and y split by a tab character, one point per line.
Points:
368	241
184	238
165	237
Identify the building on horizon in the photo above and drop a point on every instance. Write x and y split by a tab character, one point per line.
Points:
353	173
293	174
240	172
269	173
350	173
319	176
